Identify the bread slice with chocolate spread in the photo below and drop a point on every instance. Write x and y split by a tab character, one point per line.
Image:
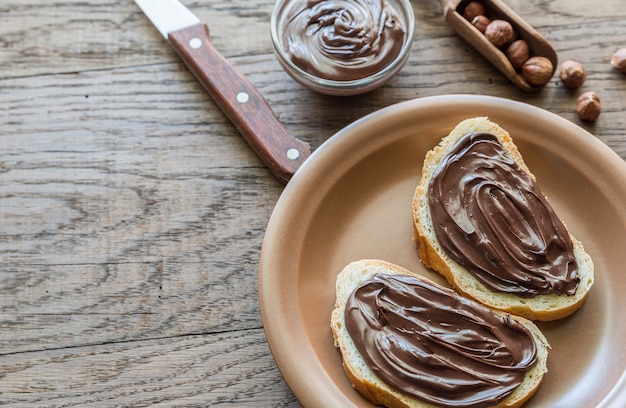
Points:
519	238
433	327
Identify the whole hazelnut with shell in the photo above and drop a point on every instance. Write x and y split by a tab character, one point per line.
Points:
499	32
619	60
481	22
573	74
537	70
518	53
473	9
588	106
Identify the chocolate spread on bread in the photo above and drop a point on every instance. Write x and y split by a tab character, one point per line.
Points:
342	40
430	342
491	217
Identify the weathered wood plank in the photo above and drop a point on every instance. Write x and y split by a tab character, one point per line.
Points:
227	369
76	35
43	37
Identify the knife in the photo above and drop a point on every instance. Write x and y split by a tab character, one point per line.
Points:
236	96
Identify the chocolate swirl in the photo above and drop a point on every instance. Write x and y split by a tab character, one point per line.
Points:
343	40
429	342
491	217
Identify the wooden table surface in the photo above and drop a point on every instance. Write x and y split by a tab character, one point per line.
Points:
132	212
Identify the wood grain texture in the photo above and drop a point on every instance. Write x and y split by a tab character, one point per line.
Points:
220	370
132	212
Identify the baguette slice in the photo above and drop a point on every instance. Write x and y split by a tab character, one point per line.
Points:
374	389
541	307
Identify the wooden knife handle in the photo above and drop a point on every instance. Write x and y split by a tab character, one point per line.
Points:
241	102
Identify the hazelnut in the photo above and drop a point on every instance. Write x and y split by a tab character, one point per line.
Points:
518	53
481	22
619	59
499	32
473	9
537	70
573	74
588	106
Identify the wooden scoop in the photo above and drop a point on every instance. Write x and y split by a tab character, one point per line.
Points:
495	9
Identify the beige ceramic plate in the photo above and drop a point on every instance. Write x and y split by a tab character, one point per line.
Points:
352	200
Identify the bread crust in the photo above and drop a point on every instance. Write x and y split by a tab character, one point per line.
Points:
377	391
541	307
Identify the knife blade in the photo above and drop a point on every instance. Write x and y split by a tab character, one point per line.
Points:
236	96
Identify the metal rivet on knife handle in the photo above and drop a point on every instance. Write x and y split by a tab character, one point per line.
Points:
293	154
243	97
195	43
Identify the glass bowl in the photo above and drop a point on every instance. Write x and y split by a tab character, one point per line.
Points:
327	46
